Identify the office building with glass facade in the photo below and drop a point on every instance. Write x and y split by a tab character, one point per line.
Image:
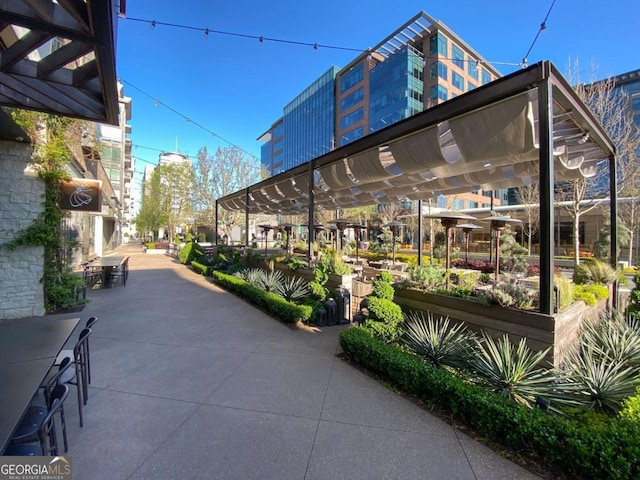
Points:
420	65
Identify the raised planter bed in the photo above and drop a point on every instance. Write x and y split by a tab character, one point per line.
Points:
557	331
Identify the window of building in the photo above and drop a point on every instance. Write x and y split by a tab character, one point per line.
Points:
352	118
473	204
355	76
457	56
441	201
470	86
472	70
458	203
354	134
439	69
457	80
486	77
438	44
487	193
352	99
443	93
485	205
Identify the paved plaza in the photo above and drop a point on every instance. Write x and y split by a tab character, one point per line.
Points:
190	382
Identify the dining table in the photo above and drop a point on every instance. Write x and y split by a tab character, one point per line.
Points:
105	266
28	350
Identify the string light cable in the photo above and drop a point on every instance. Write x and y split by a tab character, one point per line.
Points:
261	39
543	26
189	120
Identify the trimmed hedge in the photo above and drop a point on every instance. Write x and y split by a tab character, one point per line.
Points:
274	304
600	451
201	268
189	252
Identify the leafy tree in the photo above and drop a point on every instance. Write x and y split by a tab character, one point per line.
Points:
228	171
610	107
529	198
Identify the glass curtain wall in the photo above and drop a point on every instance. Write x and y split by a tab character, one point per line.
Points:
396	88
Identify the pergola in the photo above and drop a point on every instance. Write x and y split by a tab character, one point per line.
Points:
497	136
59	57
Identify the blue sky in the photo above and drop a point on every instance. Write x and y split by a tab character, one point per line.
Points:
237	87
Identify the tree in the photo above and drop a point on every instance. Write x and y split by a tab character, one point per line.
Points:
216	176
151	217
610	107
529	197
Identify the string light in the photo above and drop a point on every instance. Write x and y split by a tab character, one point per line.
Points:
188	119
152	26
315	46
543	26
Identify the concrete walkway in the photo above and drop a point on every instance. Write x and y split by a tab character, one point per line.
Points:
191	382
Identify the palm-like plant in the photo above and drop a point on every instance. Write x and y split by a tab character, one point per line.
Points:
512	371
593	381
293	288
437	341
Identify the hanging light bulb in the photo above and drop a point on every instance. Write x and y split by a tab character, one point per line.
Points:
206	33
261	40
152	26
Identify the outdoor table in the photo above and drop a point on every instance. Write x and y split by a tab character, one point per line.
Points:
28	349
106	266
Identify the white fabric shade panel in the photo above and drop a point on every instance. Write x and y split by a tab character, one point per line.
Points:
489	148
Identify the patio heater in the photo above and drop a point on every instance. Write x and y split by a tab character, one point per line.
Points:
341	224
357	228
265	230
395	228
467	228
317	228
449	220
334	234
287	227
498	224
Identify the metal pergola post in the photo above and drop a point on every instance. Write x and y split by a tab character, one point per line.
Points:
215	227
545	126
246	217
613	212
420	234
311	230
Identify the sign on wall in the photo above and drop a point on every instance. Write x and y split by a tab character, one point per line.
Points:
80	194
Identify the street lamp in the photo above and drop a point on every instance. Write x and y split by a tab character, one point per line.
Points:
467	228
395	227
341	224
498	224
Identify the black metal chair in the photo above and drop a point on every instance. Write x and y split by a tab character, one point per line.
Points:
38	425
69	352
120	272
81	377
64	375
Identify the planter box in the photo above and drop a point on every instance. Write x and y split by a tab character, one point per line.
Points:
556	331
156	251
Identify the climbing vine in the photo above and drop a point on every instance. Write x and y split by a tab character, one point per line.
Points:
50	157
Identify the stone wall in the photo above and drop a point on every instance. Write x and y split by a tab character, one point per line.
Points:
21	191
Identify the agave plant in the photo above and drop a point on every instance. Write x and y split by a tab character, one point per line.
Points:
437	341
613	338
271	281
512	371
293	288
593	381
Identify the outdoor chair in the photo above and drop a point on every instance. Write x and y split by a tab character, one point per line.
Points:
38	425
120	272
64	375
69	352
81	377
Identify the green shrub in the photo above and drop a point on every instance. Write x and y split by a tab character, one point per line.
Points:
381	287
578	451
580	293
510	294
318	291
270	302
631	408
594	271
201	268
565	290
384	318
601	292
189	252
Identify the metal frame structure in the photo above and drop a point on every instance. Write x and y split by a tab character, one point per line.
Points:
565	138
58	57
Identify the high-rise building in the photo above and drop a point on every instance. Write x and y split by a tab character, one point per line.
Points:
420	65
